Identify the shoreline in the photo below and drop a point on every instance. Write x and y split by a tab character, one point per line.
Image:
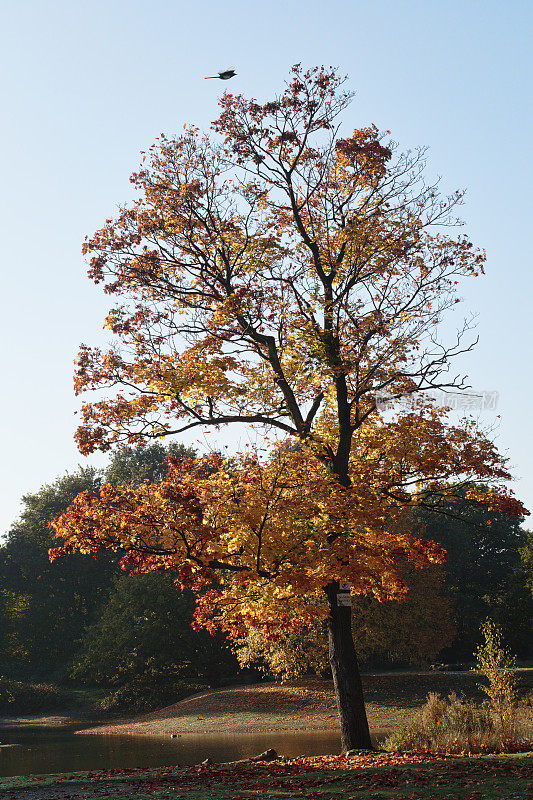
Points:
367	775
305	705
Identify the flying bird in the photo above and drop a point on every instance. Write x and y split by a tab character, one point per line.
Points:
225	75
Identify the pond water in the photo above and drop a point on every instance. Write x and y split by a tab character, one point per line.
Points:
37	751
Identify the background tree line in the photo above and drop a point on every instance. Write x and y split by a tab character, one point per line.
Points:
81	620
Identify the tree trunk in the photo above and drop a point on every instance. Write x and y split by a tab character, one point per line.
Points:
346	677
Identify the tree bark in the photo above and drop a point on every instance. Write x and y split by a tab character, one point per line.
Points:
355	734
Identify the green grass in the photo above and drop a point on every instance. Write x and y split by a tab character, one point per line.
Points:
488	777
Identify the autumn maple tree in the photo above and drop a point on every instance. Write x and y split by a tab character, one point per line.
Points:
277	274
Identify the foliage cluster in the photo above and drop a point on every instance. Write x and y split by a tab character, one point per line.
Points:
18	697
147	692
143	650
488	573
45	607
385	634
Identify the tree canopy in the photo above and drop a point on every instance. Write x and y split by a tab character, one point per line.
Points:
45	607
486	572
143	650
279	274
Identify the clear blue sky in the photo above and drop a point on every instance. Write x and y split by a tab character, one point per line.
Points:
86	85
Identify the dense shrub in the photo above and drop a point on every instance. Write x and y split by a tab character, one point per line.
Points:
140	695
144	637
17	697
457	725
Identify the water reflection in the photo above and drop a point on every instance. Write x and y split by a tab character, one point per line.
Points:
52	750
41	751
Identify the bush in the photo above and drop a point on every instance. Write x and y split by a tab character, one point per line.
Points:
457	725
499	667
141	695
17	697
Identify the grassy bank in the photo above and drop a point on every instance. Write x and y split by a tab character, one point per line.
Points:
391	701
403	691
370	777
